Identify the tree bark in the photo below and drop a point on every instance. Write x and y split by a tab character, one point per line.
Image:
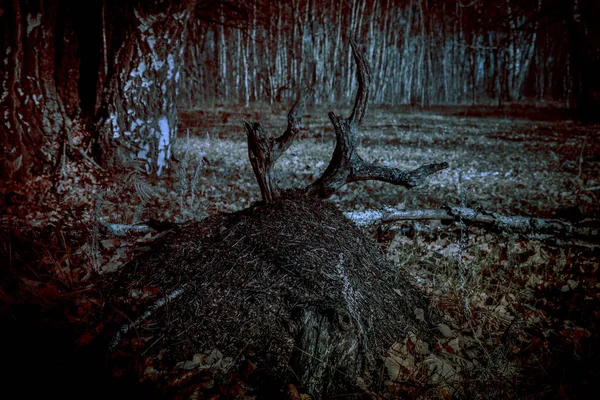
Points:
52	69
32	112
137	118
585	60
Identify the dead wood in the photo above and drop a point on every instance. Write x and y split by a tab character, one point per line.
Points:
293	285
121	230
289	283
264	151
345	165
587	230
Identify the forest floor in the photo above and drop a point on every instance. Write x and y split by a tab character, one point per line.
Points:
522	314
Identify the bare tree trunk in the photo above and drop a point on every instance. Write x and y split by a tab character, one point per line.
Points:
422	53
584	60
33	113
137	118
245	67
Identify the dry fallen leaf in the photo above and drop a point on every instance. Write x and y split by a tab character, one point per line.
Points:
420	314
446	330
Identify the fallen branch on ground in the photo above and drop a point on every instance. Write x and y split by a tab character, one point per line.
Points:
588	230
121	230
540	228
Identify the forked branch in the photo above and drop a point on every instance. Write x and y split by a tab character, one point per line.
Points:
264	151
346	165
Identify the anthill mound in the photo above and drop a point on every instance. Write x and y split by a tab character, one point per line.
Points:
293	284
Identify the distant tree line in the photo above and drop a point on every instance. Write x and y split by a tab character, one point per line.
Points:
103	80
421	52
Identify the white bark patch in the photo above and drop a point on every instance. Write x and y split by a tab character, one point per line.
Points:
151	42
114	122
180	15
33	23
147	21
163	143
140	70
5	80
165	98
171	61
364	218
143	153
157	64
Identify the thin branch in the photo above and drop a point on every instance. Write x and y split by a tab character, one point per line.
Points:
119	335
283	142
121	230
536	227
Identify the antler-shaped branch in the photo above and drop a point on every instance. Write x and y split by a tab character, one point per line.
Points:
264	151
346	165
363	75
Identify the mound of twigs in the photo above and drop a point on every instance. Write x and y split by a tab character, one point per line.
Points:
292	285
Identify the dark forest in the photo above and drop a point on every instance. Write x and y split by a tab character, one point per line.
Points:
301	199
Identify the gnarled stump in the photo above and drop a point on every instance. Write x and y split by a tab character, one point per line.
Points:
294	285
291	281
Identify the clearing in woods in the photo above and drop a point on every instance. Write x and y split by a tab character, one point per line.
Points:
501	160
516	161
